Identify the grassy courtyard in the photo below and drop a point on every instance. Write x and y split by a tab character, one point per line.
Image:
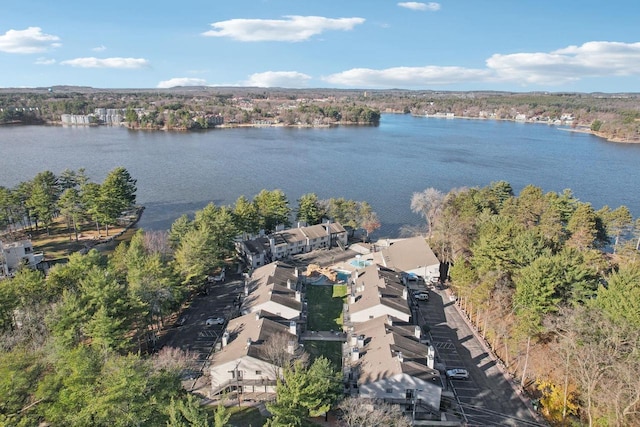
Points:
325	307
332	350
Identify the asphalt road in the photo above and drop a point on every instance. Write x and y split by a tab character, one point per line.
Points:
190	331
487	397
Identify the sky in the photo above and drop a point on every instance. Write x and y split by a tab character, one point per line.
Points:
506	45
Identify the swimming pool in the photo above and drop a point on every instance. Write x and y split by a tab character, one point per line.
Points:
360	263
343	276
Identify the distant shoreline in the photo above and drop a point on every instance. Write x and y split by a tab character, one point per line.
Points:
579	129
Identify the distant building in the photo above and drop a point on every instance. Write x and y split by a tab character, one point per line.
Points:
17	254
284	243
109	116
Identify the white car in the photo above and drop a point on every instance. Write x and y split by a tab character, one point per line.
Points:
421	296
458	374
215	321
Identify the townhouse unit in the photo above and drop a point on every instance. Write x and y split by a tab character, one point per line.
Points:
390	360
377	291
274	288
253	348
412	256
285	243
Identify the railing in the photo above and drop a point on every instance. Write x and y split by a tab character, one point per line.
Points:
241	383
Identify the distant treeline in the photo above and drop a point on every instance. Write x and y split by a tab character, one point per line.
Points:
614	116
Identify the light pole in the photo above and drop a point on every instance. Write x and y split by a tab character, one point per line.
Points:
415	401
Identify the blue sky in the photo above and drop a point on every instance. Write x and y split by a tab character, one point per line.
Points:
514	45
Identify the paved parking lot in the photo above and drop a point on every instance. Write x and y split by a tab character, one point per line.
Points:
486	397
190	331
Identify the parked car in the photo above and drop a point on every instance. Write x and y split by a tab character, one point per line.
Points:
458	374
215	321
421	296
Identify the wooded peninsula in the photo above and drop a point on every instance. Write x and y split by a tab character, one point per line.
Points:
615	117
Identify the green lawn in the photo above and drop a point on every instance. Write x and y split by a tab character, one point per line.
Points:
332	350
325	307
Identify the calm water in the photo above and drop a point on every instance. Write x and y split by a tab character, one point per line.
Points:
181	172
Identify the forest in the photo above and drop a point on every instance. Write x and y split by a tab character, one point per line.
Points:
554	287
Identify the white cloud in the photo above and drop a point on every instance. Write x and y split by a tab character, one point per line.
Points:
31	40
592	59
45	61
128	63
414	5
290	29
406	77
288	79
100	48
181	81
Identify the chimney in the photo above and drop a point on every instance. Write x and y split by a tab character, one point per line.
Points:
379	294
431	353
249	342
293	327
225	339
291	347
400	358
404	293
417	331
355	354
246	290
258	315
296	272
389	321
289	285
360	341
352	299
298	296
354	340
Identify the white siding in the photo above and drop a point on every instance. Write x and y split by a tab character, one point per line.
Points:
377	311
279	309
249	366
398	385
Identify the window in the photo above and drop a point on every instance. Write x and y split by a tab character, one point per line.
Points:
258	372
389	390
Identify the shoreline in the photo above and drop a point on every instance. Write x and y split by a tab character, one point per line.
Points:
579	129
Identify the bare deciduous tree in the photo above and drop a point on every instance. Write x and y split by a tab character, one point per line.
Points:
361	412
281	350
157	242
428	203
173	359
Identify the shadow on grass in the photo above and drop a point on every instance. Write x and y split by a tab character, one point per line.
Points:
246	416
332	350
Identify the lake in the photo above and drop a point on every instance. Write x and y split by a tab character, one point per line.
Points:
181	172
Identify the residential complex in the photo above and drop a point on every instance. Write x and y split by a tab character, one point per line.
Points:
385	354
